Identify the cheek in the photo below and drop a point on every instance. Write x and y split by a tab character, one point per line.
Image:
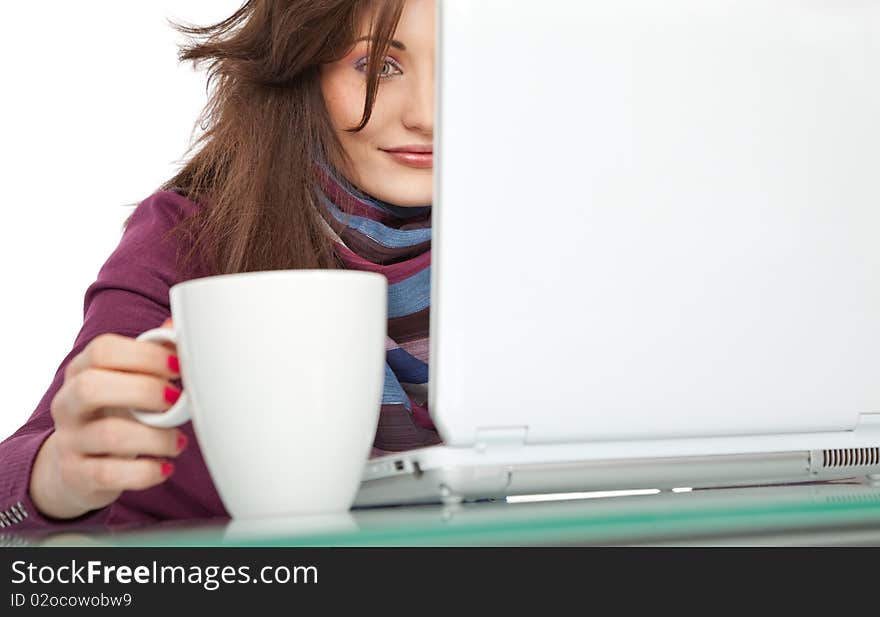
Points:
344	100
344	93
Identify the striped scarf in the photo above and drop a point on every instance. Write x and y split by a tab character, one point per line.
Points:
375	236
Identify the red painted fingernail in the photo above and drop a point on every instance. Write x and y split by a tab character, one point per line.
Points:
174	363
167	469
171	394
182	441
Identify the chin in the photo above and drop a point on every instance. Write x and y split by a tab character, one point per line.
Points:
407	196
416	202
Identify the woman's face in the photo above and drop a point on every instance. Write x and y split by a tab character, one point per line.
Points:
392	157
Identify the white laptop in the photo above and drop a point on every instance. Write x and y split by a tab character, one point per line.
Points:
656	250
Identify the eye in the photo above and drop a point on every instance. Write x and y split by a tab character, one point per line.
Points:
390	67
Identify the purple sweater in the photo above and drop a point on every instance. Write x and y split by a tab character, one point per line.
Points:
129	297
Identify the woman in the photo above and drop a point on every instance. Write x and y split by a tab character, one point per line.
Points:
316	153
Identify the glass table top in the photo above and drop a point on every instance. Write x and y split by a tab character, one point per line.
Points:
808	514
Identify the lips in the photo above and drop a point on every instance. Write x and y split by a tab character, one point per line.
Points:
420	157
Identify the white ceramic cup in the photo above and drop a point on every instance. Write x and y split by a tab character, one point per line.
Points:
283	374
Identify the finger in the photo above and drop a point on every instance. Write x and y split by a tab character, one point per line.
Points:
93	389
120	474
126	437
168	323
122	353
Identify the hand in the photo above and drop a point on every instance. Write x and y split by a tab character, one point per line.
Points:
97	450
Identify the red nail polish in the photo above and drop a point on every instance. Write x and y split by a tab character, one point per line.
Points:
182	441
171	394
174	364
167	469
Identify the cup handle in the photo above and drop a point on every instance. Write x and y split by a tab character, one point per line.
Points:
179	412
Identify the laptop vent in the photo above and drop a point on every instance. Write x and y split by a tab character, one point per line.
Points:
850	457
853	499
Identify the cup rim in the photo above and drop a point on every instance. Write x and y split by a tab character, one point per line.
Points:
278	274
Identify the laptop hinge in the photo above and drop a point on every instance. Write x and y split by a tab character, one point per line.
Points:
868	422
500	436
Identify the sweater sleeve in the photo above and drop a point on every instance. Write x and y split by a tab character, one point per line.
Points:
130	296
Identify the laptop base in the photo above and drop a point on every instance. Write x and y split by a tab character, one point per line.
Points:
429	475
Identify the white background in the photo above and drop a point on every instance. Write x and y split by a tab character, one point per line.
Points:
95	113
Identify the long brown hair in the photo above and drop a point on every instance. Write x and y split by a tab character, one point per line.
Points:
265	125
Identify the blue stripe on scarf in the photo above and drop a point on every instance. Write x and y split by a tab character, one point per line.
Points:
392	392
386	236
407	368
410	295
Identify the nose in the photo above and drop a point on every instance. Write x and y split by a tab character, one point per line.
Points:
419	112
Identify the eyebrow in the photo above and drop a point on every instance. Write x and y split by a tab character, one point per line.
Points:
395	43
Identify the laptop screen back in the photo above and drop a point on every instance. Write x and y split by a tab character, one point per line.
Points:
656	219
